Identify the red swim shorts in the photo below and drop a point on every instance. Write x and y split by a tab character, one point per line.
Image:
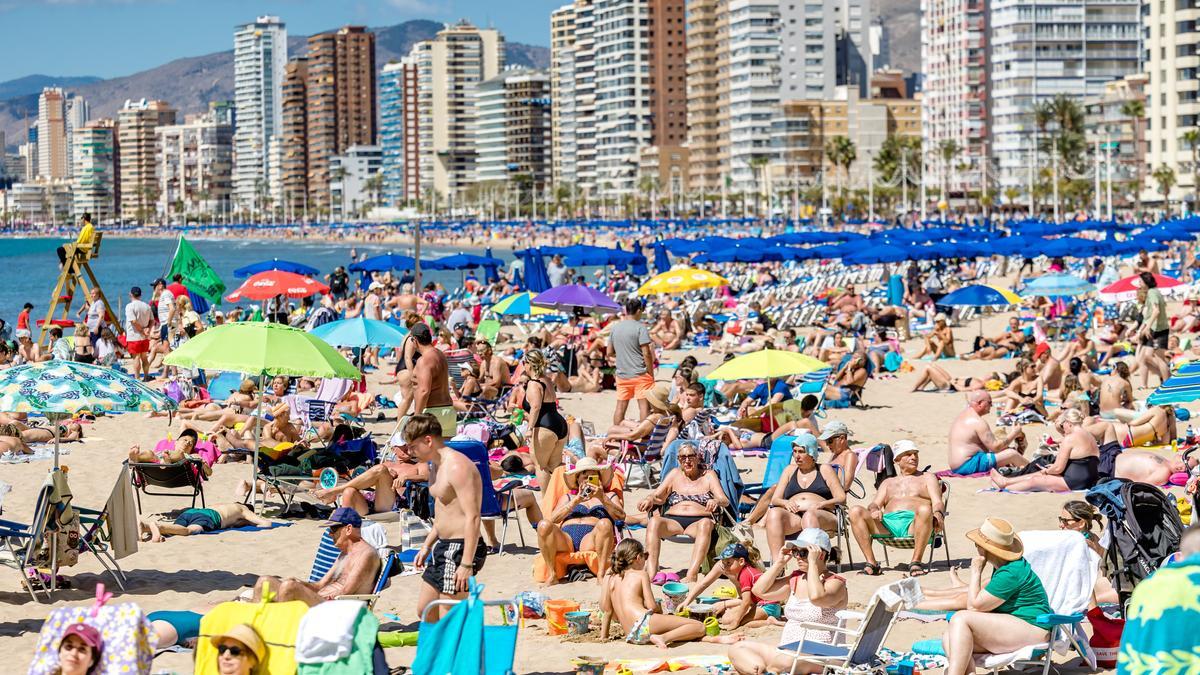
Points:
136	347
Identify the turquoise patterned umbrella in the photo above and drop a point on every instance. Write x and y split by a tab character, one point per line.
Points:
59	389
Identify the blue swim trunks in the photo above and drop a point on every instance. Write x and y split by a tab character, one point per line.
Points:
186	624
978	463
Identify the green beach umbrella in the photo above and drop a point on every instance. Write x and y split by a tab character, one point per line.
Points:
265	349
60	389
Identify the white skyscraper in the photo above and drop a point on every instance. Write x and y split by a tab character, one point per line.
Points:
78	115
753	86
825	45
259	56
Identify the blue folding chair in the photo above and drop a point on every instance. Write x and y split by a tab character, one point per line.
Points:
462	643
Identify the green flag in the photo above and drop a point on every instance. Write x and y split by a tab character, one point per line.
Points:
197	275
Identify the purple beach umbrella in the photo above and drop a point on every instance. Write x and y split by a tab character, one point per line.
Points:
572	296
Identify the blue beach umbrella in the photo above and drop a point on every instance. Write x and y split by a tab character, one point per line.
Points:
1057	286
662	262
360	332
980	295
885	253
1179	388
536	277
466	261
276	264
491	271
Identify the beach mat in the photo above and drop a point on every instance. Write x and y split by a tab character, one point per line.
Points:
247	528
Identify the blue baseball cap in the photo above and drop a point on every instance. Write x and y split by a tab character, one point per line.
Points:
343	516
734	550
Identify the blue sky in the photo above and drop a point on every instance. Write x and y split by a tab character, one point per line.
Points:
110	38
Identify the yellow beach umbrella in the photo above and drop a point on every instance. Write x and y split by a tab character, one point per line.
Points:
681	281
767	364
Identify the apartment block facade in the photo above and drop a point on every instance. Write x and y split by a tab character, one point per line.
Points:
513	128
137	140
94	180
260	54
195	166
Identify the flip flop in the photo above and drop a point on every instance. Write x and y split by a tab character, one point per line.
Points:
664	578
916	570
871	570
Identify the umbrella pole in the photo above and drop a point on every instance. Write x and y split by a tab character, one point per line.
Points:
257	441
54	421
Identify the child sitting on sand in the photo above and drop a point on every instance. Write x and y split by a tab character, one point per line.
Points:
625	594
747	609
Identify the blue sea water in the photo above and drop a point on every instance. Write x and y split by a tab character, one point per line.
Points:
29	267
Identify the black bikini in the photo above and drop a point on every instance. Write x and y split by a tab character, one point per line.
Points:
687	521
549	418
817	487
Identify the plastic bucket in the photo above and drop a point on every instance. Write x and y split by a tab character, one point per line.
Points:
578	623
556	615
673	594
586	665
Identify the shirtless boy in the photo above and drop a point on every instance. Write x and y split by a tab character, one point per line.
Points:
453	552
1116	394
973	446
908	504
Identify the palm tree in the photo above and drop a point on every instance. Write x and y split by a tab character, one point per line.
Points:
1135	110
947	151
648	186
1192	138
841	152
758	164
1165	177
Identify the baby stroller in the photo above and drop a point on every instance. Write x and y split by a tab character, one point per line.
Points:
1144	528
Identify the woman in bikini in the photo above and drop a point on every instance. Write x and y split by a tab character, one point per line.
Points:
1154	426
549	432
684	503
945	382
809	495
584	518
1077	466
626	595
1025	391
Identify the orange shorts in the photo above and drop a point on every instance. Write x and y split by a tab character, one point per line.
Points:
628	390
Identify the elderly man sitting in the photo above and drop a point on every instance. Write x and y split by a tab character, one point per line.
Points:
353	573
908	504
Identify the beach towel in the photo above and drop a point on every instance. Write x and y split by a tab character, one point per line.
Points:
453	645
328	630
364	657
122	517
276	622
1065	557
124	628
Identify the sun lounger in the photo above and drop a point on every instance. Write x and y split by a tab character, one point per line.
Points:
186	475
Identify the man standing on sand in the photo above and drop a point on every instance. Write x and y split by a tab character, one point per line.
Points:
138	321
908	504
630	344
973	446
431	373
454	551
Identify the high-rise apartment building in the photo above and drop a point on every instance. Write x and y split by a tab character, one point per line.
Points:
194	166
293	138
259	55
351	190
1041	49
341	103
53	162
449	69
398	121
1172	45
137	156
78	112
573	91
1121	142
826	44
94	170
512	128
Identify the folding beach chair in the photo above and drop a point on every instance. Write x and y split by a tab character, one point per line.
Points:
937	539
23	542
95	538
644	453
186	475
856	649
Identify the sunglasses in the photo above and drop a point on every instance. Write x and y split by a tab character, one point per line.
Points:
233	650
333	529
1067	521
683	457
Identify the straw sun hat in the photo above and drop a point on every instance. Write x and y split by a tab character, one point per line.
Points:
656	396
571	476
997	536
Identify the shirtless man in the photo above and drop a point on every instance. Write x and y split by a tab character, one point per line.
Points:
386	479
493	371
1009	341
908	504
353	573
1144	466
1049	365
973	446
453	552
431	375
195	521
1116	394
666	332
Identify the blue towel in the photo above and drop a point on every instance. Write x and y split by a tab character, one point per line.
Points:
248	528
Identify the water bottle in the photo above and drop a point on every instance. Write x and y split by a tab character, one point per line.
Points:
1190	437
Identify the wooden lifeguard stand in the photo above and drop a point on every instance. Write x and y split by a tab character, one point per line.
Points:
76	275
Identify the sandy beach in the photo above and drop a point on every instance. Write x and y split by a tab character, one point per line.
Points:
197	572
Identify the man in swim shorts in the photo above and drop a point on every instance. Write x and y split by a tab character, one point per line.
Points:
197	521
973	446
431	374
906	505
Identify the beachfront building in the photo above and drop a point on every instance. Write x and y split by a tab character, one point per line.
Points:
1172	36
355	181
513	131
448	71
94	171
77	114
293	140
826	45
1038	50
40	203
955	108
733	87
573	91
53	162
194	167
137	155
340	103
1120	141
259	55
398	121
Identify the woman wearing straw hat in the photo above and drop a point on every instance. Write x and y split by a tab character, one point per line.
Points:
584	518
1001	616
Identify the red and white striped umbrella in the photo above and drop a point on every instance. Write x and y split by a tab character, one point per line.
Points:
1126	289
266	285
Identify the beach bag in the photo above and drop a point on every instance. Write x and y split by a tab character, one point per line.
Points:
413	530
641	476
1106	636
124	628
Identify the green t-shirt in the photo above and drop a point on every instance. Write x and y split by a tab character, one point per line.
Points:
1022	592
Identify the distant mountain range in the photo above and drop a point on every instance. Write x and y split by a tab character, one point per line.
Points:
191	83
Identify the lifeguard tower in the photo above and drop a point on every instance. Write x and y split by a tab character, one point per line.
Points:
76	276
